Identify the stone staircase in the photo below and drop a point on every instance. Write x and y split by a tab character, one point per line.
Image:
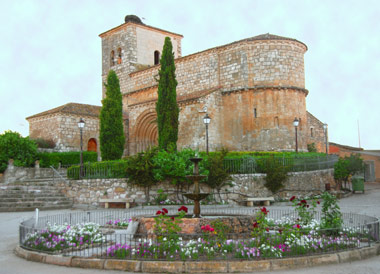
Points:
27	195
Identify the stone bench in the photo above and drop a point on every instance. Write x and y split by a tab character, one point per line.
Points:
266	200
126	201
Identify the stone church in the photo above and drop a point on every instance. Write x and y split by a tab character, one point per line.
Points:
252	89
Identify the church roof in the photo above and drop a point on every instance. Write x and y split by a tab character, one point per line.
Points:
72	108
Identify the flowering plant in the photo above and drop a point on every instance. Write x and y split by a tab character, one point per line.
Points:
168	226
119	223
260	227
305	210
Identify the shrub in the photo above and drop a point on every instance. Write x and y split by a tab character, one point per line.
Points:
346	167
21	149
106	169
331	216
276	174
311	147
42	143
48	159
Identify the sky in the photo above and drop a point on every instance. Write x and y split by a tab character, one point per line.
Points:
50	52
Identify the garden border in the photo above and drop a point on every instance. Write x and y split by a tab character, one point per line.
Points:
201	266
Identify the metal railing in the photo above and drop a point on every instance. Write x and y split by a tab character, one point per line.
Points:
358	231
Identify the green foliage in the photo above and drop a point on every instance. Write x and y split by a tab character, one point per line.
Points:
42	143
140	169
331	216
276	174
161	196
21	149
106	169
111	135
218	176
346	167
311	147
48	159
166	106
306	211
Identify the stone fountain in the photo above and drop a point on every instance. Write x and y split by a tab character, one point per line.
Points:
196	196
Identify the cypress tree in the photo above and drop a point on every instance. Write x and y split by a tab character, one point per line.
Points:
166	106
111	135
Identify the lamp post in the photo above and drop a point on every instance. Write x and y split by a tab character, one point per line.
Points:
325	130
81	124
206	121
295	124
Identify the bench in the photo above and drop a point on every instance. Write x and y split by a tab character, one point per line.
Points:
125	201
266	200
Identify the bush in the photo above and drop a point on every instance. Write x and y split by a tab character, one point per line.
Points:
311	147
276	174
48	159
21	149
42	143
346	167
106	169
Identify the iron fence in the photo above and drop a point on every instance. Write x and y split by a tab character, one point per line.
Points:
357	231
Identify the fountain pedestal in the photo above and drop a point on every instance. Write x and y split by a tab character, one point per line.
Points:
196	196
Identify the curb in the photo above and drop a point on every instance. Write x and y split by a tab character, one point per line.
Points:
200	266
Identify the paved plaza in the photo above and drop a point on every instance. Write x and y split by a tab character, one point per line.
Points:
367	203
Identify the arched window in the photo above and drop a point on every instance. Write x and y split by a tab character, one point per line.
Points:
112	58
311	132
119	55
91	145
156	57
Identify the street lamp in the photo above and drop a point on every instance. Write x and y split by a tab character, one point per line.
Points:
206	121
325	130
295	124
81	124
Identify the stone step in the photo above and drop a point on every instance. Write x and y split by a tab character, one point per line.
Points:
35	204
32	208
33	199
30	191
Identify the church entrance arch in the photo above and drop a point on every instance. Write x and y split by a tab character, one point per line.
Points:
146	132
92	145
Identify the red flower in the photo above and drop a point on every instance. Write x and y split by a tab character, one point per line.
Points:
255	225
183	208
293	197
267	229
172	218
165	210
264	210
318	202
298	226
159	212
303	202
203	227
280	231
307	206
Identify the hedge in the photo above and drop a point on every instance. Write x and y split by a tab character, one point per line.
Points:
99	170
65	158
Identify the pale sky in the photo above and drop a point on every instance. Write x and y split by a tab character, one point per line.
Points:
50	52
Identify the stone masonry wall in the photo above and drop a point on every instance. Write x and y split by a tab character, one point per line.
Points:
316	133
301	183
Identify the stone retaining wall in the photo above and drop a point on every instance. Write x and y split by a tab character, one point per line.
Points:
202	266
90	191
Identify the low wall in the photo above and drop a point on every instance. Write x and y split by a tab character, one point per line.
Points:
89	191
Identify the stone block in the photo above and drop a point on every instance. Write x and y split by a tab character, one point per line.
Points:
289	263
36	257
125	265
22	253
87	263
248	266
162	267
349	256
368	252
58	260
208	267
323	259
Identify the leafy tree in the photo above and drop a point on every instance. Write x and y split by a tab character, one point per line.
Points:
13	146
140	170
276	173
347	167
111	135
174	166
218	176
166	106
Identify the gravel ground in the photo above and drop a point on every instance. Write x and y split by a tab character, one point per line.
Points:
367	203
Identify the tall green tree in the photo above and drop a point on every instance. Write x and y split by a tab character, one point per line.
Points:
112	137
166	106
21	149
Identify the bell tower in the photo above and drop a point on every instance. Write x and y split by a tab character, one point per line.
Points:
133	46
